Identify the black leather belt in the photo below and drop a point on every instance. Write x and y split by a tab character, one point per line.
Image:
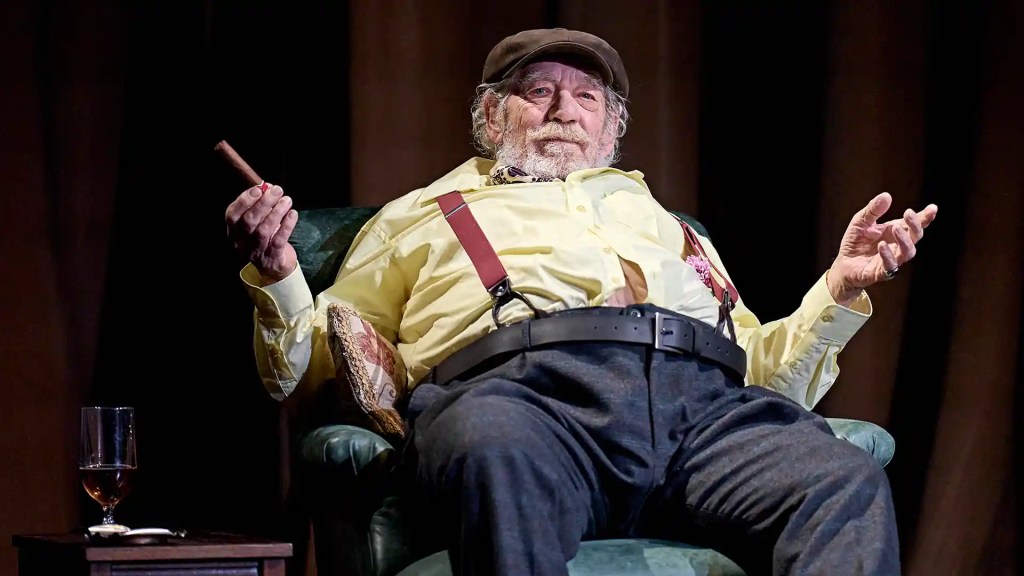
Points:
664	332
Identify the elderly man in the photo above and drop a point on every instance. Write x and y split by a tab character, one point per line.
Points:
583	366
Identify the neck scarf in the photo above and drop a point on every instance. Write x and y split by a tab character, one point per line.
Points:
508	174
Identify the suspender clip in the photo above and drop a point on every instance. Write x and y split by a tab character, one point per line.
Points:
725	316
502	293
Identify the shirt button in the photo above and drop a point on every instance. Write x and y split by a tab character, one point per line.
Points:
607	250
826	317
581	208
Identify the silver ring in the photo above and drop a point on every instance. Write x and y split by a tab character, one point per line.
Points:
890	274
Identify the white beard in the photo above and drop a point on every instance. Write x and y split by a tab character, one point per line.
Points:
550	159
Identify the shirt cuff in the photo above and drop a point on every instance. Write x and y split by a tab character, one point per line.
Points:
831	320
282	299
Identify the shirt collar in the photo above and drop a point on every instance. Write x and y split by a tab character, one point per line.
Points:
474	174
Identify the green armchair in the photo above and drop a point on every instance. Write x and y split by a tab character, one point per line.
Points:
362	522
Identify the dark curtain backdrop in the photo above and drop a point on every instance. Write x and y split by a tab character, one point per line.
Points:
772	122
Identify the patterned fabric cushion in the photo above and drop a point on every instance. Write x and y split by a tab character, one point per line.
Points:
370	370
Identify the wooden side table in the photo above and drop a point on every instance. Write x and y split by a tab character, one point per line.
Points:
200	554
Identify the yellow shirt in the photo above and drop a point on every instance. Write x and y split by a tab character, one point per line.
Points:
562	244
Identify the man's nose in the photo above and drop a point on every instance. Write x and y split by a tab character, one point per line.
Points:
564	108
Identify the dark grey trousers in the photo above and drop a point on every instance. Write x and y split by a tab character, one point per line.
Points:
525	459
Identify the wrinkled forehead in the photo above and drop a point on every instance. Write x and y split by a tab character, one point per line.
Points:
560	67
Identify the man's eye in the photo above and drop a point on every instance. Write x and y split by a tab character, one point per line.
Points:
539	91
588	96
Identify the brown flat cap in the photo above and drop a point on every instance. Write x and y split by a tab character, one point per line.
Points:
519	49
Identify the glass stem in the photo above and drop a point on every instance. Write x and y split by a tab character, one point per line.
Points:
108	514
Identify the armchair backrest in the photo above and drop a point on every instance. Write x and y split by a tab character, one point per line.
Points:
322	238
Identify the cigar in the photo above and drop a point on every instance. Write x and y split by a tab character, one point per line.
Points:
229	154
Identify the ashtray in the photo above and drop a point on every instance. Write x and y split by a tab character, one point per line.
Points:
122	535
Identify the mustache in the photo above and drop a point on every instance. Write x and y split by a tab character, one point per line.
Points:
558	131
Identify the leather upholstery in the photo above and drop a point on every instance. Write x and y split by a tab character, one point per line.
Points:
870	437
629	557
321	239
364	522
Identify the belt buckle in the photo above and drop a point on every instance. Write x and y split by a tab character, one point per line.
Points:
661	330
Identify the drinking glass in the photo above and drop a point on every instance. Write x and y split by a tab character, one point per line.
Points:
108	461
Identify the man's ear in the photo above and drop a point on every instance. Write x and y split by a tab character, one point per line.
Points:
492	120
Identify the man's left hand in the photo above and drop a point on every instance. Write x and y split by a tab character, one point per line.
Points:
873	252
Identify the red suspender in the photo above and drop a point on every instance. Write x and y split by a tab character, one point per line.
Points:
473	241
480	252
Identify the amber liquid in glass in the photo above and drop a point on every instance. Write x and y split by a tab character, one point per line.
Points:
108	484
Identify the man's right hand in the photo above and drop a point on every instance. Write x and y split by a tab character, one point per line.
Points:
259	225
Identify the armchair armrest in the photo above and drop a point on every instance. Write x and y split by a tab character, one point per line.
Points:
345	472
871	437
361	523
350	448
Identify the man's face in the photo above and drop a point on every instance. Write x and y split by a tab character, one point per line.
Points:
554	122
